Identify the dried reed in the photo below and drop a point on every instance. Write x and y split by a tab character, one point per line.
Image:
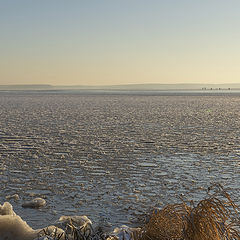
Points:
214	218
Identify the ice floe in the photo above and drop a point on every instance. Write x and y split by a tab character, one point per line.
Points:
15	197
35	203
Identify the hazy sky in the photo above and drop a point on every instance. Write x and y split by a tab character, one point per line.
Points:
65	42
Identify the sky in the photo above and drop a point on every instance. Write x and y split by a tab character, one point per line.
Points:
109	42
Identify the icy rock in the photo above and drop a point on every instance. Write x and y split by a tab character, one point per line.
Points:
124	233
12	226
7	209
83	223
35	203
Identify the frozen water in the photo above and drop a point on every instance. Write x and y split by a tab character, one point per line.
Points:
112	157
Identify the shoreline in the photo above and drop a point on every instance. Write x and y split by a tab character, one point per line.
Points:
215	216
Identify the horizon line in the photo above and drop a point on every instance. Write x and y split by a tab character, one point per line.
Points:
123	84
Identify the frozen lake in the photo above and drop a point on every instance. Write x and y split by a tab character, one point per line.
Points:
114	156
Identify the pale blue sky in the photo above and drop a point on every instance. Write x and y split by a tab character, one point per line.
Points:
119	42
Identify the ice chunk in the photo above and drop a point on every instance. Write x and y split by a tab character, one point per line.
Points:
15	197
12	227
6	209
77	221
124	233
81	224
35	203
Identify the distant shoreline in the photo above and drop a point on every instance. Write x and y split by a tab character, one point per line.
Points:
127	87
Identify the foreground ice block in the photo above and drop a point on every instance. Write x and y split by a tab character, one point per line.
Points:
12	227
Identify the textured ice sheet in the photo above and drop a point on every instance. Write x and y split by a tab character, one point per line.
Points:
113	157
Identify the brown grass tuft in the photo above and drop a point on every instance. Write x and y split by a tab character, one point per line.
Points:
166	223
214	218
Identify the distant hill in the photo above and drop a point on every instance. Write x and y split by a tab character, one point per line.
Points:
167	86
130	87
152	86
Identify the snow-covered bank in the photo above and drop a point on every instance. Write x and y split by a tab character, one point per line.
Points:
13	227
215	217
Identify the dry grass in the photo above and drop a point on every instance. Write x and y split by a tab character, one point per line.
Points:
214	218
165	224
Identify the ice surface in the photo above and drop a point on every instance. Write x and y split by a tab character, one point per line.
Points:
114	157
